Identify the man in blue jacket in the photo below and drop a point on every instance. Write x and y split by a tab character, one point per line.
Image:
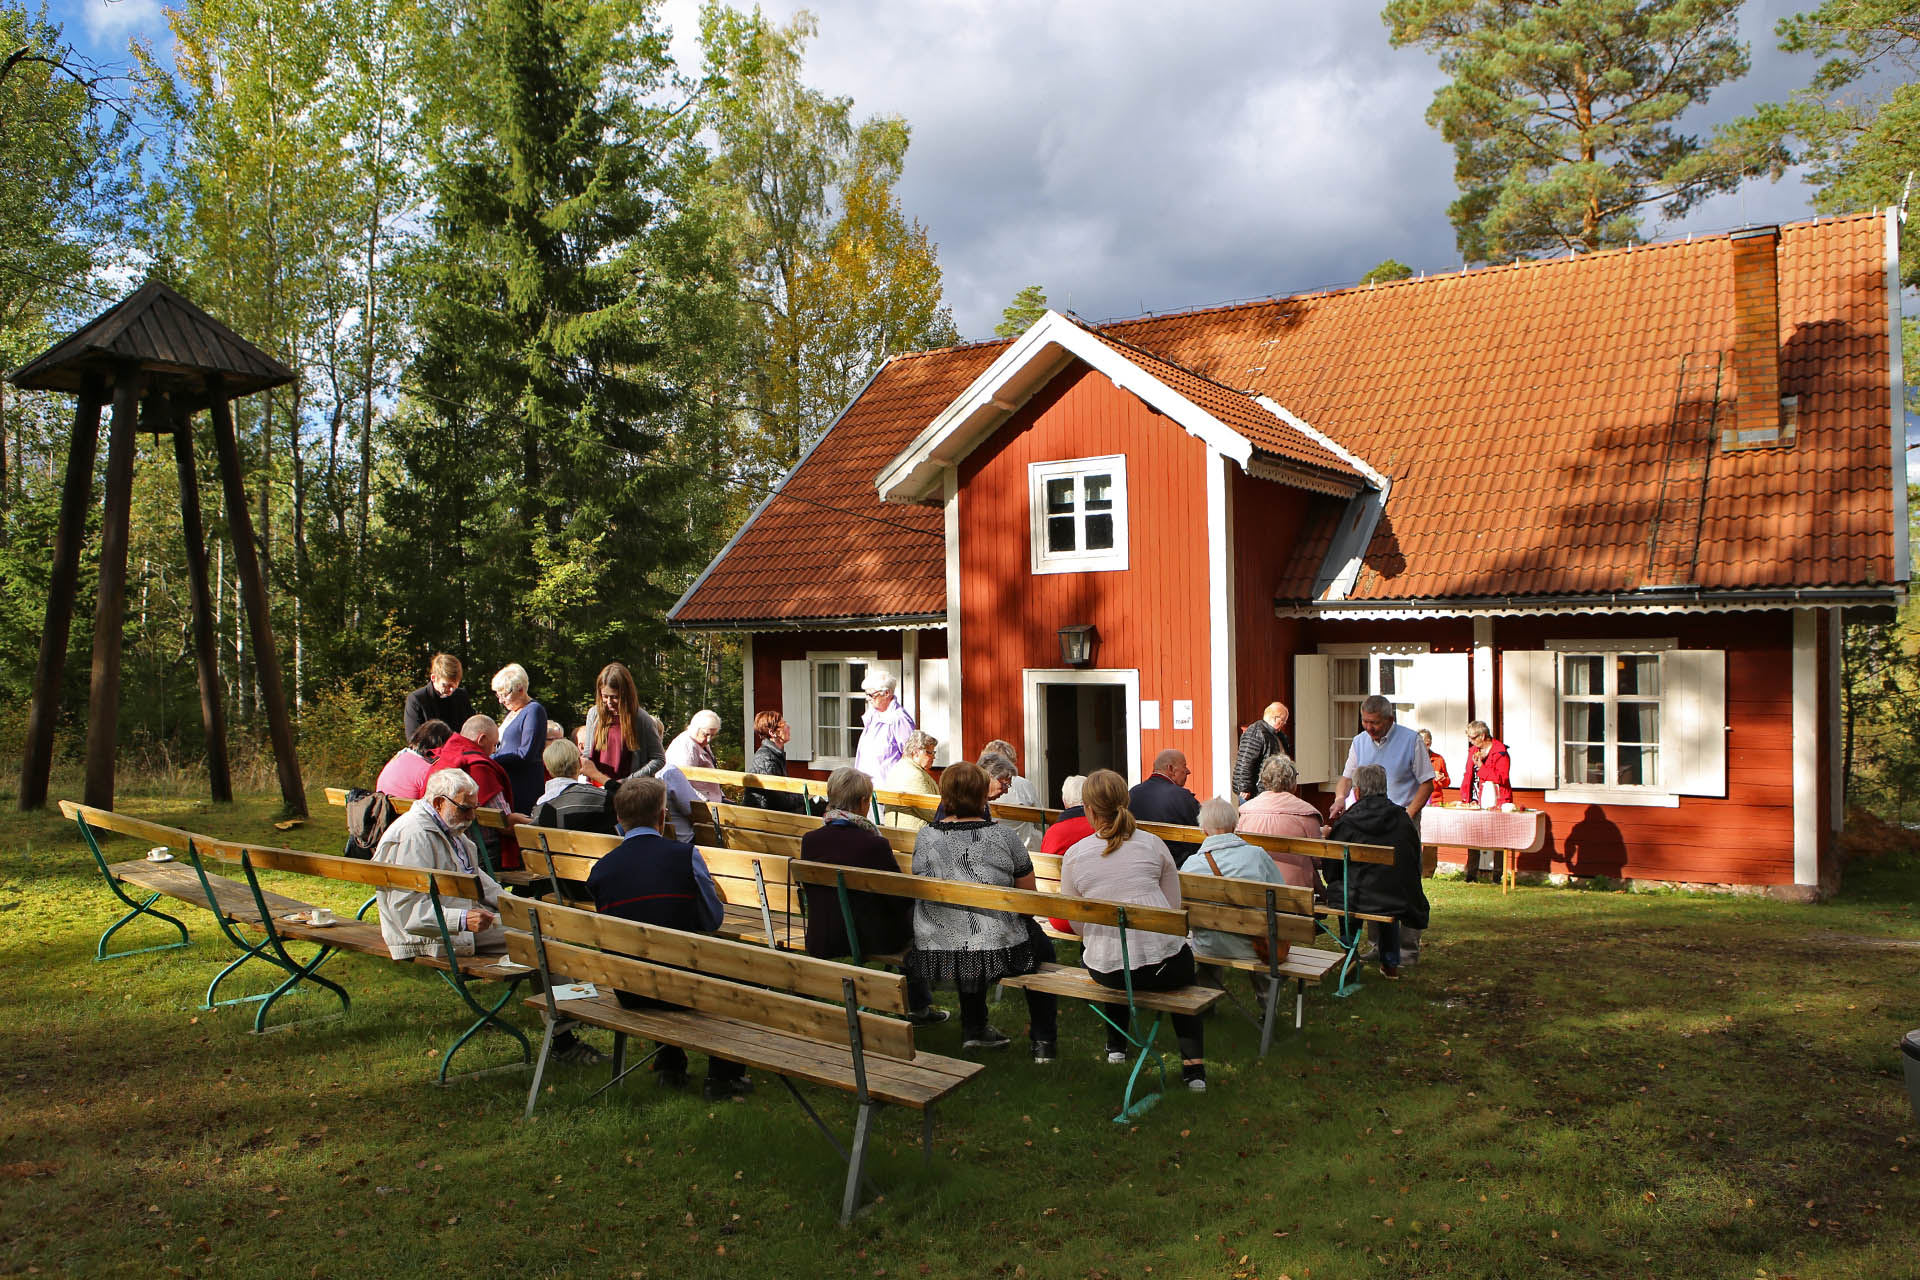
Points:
657	880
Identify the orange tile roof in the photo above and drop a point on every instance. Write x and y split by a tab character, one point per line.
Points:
1523	414
824	547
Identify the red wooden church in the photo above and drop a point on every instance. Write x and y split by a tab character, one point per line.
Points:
1614	505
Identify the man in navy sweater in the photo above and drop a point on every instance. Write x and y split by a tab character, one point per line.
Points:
657	880
1162	796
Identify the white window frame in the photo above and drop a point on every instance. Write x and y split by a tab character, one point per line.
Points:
1082	561
1340	732
1659	795
822	758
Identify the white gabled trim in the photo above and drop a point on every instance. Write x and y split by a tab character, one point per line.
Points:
1806	746
950	489
1022	369
1897	385
1326	442
1220	638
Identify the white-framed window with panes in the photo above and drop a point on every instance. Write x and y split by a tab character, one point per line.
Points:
1355	673
838	705
1079	511
1610	714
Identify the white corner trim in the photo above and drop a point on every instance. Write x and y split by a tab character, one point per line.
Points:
1220	638
747	711
1897	386
950	491
1006	384
910	673
1483	670
1806	746
1326	442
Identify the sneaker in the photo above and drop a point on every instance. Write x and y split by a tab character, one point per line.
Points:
727	1090
988	1037
1389	970
931	1016
1116	1057
577	1052
1195	1077
1045	1051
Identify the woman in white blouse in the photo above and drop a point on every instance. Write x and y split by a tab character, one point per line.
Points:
1119	863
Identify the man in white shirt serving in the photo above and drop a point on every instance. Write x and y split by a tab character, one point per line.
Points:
1399	751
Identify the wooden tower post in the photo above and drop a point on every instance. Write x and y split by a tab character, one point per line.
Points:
212	714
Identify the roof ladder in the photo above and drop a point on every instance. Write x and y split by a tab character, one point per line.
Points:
1673	533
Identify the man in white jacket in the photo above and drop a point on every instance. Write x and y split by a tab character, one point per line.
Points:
432	836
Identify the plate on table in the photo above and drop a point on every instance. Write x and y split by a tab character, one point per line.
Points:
306	918
159	854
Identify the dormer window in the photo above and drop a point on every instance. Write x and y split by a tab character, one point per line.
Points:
1079	514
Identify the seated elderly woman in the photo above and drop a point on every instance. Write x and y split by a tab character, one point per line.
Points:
1223	853
972	948
1374	889
772	732
405	775
693	749
911	774
847	838
1120	863
1279	811
570	802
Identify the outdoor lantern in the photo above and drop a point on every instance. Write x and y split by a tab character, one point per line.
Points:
1076	645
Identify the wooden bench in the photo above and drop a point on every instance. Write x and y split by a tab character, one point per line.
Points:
491	819
245	904
1056	979
780	1012
1281	916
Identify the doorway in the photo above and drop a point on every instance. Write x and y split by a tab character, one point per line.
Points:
1079	721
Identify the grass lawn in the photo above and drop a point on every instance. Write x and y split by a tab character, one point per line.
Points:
1570	1084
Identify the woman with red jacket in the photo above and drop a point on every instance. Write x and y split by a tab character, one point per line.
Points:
1486	762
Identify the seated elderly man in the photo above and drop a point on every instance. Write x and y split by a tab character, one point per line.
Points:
432	836
1162	796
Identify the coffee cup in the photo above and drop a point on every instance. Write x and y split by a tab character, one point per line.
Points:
321	915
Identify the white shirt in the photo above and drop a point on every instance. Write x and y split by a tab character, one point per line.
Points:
1402	755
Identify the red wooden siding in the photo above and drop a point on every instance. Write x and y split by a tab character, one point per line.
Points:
1267	519
1152	617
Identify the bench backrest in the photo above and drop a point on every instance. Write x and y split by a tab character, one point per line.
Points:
963	893
743	826
780	990
492	819
570	855
1222	904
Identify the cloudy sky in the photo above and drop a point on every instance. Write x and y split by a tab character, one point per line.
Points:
1137	156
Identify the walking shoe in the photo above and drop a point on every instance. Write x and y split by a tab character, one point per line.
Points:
1389	970
576	1051
1195	1077
931	1016
727	1090
988	1037
1116	1057
1045	1051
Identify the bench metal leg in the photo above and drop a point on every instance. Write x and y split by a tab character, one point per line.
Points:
857	1162
139	909
859	1133
1131	1110
296	974
488	1017
620	1054
540	1066
1269	1007
620	1070
1299	1004
247	953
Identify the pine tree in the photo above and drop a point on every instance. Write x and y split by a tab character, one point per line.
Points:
1027	306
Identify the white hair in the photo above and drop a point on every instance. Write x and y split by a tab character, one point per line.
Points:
511	678
1370	780
1071	789
704	720
449	784
879	680
1219	815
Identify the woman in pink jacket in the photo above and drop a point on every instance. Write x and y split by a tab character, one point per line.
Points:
1279	811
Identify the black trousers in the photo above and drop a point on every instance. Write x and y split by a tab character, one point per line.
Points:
1175	971
1043	1007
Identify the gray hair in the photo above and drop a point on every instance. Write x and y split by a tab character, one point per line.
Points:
1000	746
561	758
1378	705
917	741
1370	780
1478	729
476	726
1070	790
704	719
849	789
449	784
1279	773
879	680
998	766
1219	815
511	678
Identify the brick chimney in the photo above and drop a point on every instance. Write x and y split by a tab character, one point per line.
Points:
1761	417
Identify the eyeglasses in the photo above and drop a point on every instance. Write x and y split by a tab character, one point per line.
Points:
463	808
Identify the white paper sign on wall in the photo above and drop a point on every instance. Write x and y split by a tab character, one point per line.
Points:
1149	714
1183	713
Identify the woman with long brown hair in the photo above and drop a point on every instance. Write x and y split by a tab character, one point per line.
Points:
1120	863
621	739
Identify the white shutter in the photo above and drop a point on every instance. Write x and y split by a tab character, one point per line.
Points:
936	711
1310	711
1693	723
1528	698
796	704
1441	683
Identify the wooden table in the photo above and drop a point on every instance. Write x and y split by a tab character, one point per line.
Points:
1513	834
